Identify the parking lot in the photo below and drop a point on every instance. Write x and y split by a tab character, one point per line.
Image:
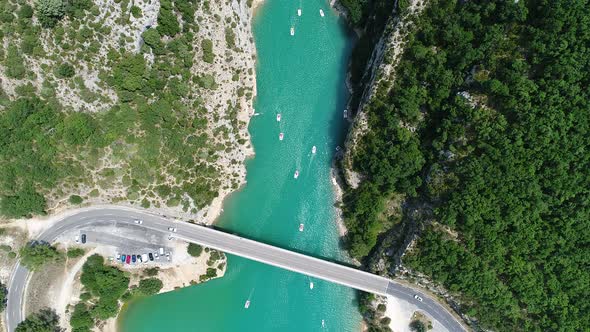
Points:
125	240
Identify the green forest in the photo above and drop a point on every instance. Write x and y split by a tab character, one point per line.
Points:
487	127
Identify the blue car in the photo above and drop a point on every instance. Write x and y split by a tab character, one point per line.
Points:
133	258
123	257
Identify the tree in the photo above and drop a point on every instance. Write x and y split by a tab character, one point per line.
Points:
22	204
81	320
77	128
149	286
3	296
105	282
417	326
34	254
194	250
153	39
46	320
167	21
49	12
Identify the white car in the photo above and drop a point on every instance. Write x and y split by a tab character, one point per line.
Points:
156	256
77	238
417	297
172	229
168	256
118	256
138	221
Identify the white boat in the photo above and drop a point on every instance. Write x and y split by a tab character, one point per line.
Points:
292	31
279	117
321	13
313	149
281	136
345	113
299	12
301	227
323	323
311	285
247	304
256	114
296	175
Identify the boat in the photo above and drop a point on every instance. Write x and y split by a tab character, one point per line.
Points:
292	31
313	149
311	285
281	136
301	227
296	175
256	114
299	12
345	113
247	304
323	323
321	13
279	117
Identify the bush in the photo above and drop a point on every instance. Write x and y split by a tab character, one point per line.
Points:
194	250
75	199
136	11
49	12
417	326
75	252
207	46
35	254
153	271
167	21
153	39
150	286
65	70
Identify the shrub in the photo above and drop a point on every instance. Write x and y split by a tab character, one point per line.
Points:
49	12
22	204
65	70
150	286
136	11
207	46
75	252
194	250
75	199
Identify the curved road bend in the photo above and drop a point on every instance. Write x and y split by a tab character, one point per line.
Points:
232	244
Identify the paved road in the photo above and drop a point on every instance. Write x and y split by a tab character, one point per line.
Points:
232	244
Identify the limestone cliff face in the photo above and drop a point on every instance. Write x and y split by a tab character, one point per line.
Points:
379	76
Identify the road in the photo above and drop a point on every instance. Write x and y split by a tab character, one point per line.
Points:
232	244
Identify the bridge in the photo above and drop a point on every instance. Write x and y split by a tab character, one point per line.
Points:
233	244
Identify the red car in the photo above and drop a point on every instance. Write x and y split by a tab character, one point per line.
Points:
128	259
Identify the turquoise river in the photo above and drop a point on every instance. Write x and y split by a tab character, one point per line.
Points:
303	78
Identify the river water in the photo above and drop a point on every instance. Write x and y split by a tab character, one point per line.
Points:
302	77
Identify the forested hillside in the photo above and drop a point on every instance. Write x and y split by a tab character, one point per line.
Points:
487	128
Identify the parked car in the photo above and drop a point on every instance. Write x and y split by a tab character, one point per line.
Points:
156	255
151	256
168	256
128	259
83	238
172	229
417	297
161	251
133	258
144	258
77	238
118	256
123	258
138	221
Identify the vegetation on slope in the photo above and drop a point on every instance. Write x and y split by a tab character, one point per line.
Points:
487	126
152	144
